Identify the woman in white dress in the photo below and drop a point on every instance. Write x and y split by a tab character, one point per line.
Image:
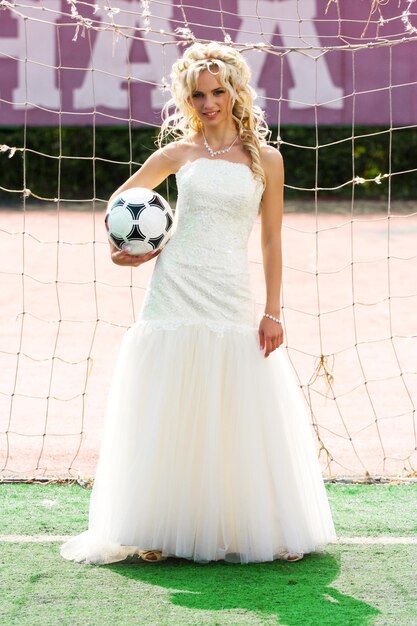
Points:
207	450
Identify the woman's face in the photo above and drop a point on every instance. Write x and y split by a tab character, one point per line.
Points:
210	100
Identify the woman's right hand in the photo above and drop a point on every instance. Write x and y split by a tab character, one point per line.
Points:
121	257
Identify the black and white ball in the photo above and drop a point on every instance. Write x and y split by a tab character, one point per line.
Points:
139	220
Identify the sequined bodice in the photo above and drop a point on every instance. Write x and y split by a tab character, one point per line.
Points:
202	275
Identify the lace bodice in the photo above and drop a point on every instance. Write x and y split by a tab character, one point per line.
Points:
217	204
202	275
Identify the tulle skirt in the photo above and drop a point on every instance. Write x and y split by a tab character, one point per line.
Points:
207	453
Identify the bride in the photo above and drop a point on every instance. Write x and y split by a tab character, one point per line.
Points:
207	449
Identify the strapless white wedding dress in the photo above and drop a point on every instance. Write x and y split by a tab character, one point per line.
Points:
207	450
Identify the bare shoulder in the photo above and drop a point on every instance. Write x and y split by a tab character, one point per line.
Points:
271	160
170	154
176	153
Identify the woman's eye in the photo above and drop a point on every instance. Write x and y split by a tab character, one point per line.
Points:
196	95
219	92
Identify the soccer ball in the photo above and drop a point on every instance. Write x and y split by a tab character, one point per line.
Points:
139	220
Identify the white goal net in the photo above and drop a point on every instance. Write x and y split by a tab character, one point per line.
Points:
78	69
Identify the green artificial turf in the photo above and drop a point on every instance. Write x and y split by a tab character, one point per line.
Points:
346	585
62	509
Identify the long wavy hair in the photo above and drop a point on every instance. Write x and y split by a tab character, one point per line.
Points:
180	119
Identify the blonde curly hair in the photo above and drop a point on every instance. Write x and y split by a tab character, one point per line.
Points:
234	74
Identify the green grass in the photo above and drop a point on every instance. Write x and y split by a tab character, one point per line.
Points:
346	585
357	509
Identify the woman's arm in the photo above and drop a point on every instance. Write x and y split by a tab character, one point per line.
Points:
271	334
155	169
153	172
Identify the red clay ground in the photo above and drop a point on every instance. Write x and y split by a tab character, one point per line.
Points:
342	298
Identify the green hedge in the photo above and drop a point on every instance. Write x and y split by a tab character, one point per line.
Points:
77	175
340	158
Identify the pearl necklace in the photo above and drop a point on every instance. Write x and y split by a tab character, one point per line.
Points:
214	153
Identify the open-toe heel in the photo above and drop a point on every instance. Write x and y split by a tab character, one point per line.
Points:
151	556
287	556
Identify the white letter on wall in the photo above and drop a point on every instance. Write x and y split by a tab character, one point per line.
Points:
111	71
295	21
37	74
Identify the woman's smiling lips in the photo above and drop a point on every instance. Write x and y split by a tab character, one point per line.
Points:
211	115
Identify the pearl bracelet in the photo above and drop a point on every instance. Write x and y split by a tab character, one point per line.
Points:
271	317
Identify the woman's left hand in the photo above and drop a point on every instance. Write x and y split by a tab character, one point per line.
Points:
271	335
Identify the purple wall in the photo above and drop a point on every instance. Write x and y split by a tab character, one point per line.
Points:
104	80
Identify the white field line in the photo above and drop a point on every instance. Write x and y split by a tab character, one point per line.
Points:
341	540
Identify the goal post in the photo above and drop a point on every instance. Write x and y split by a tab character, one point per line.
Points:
342	71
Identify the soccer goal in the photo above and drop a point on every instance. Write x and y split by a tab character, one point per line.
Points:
82	87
